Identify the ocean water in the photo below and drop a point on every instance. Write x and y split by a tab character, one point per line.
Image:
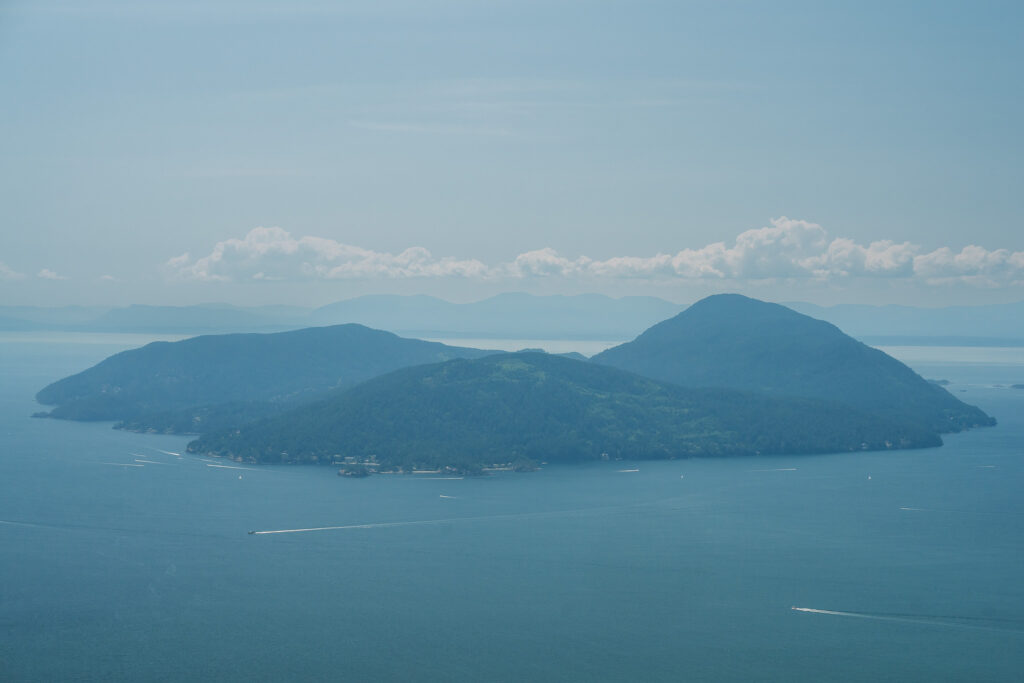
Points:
122	560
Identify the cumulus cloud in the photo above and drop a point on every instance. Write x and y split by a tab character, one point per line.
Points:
47	274
8	273
274	254
784	250
971	264
789	249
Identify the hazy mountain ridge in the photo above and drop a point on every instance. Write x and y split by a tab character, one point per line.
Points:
732	341
505	408
518	315
991	324
510	315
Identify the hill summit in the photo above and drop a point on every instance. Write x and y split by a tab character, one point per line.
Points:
184	385
733	341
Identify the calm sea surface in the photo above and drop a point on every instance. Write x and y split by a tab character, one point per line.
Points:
123	560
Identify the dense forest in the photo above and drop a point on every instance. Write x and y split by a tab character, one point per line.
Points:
732	341
217	380
525	407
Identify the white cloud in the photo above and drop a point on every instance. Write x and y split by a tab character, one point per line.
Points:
786	249
8	273
972	264
47	274
789	249
545	262
274	254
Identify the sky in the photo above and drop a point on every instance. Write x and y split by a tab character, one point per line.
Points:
271	152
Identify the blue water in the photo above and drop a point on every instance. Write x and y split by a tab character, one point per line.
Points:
683	570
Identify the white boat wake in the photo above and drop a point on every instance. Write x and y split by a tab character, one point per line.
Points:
444	520
160	450
41	526
926	619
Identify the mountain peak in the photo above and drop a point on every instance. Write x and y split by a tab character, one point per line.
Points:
734	341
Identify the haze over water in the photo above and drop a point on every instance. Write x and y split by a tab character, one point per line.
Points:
124	560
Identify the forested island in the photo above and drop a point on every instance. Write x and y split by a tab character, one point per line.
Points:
728	376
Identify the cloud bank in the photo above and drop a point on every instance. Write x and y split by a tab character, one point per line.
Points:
274	254
785	250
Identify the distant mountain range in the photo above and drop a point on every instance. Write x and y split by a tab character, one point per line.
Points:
728	376
991	325
518	316
511	315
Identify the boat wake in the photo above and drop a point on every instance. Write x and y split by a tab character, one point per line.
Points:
160	450
38	526
986	623
963	512
444	520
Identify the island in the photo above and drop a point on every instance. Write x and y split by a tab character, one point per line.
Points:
729	376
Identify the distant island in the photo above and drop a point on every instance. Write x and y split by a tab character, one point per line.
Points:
728	376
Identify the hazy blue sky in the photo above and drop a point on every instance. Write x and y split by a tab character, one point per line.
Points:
303	152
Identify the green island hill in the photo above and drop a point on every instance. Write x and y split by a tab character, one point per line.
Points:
732	341
519	409
206	382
